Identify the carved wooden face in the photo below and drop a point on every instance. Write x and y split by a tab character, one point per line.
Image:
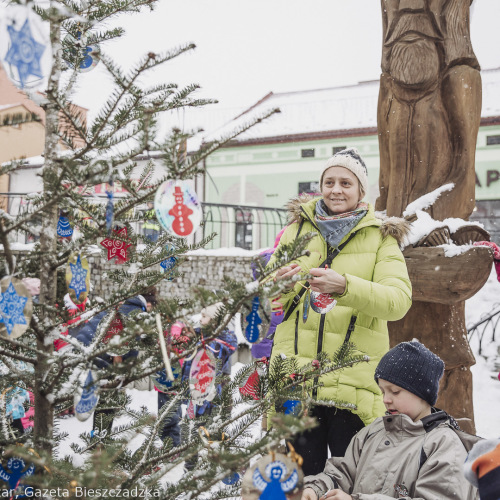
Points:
340	190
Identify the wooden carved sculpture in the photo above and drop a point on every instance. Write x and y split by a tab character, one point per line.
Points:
428	118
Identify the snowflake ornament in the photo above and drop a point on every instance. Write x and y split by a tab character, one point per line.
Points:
79	277
12	306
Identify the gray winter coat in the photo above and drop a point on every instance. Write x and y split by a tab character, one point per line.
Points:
395	457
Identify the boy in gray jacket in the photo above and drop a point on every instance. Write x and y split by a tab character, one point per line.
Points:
415	452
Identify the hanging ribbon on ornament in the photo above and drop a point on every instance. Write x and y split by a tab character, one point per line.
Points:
64	229
273	477
255	317
177	208
110	206
86	397
76	52
25	52
16	308
78	278
163	347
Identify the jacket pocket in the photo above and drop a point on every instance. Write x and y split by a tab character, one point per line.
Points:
296	343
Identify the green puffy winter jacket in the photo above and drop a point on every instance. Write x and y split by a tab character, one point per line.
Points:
378	290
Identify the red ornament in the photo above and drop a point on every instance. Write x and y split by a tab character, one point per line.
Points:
115	328
117	248
205	375
181	225
251	387
315	364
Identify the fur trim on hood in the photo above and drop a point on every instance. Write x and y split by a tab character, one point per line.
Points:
396	227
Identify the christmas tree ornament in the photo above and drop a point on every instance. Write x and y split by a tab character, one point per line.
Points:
292	407
161	381
202	377
86	398
231	479
307	303
110	206
13	474
251	387
77	52
16	308
177	208
25	47
255	317
78	278
211	441
15	398
167	265
113	337
273	477
117	248
163	347
191	410
322	302
64	229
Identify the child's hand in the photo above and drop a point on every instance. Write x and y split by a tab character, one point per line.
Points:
336	495
309	494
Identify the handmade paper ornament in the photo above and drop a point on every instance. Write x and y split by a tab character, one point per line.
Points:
25	50
64	229
77	51
231	479
202	377
251	387
177	208
15	398
78	278
117	248
191	410
292	407
110	206
113	337
161	381
14	473
167	265
322	302
273	477
86	398
255	317
16	308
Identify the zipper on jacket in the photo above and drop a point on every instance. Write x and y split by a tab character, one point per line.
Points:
350	329
296	346
320	347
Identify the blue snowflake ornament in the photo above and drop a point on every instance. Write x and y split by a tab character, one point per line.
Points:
25	53
64	229
11	308
78	277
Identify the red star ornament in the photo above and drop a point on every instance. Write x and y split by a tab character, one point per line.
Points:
117	248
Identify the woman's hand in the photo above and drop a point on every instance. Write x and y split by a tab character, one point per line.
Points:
309	494
336	495
327	281
288	272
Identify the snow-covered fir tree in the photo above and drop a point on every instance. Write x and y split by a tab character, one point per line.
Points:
101	151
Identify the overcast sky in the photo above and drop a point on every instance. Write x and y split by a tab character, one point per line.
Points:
247	48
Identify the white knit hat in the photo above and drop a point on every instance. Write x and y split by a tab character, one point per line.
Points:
350	159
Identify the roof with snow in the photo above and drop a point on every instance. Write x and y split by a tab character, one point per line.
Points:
337	111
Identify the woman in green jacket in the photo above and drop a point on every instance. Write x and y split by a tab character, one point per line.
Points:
369	281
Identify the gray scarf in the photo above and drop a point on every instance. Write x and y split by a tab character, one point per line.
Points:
334	227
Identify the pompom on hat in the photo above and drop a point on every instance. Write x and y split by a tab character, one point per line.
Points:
350	159
413	367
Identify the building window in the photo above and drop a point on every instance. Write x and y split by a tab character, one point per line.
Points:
307	153
243	230
336	149
492	139
309	187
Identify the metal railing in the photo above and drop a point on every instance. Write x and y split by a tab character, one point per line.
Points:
486	325
243	226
